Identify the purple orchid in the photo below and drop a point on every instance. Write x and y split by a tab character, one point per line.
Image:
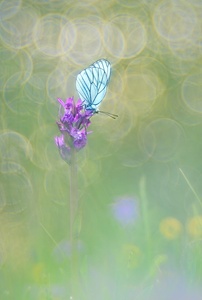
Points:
73	127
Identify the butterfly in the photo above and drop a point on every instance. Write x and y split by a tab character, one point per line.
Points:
91	85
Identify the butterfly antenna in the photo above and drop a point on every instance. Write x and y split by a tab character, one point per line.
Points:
113	116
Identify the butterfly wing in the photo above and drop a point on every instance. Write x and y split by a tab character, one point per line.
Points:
92	83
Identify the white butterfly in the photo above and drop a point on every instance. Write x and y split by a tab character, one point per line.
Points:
92	83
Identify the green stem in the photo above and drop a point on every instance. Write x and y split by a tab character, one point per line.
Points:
73	193
190	186
73	240
146	217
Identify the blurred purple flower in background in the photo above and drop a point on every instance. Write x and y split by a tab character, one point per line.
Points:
63	250
73	127
125	210
172	284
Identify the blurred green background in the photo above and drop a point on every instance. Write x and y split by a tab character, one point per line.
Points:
140	223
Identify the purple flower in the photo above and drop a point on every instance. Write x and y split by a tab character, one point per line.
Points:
80	138
125	210
73	127
64	250
65	151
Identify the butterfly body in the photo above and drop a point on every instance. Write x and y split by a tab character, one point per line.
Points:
92	83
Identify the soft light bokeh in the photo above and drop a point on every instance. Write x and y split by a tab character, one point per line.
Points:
140	224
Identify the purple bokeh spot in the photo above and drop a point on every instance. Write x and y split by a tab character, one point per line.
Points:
63	250
125	210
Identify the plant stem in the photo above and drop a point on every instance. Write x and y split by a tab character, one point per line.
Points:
73	240
73	193
190	186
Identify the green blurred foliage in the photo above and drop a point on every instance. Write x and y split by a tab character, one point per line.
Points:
151	152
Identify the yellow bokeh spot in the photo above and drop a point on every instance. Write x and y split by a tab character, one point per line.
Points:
170	228
194	226
38	272
132	255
